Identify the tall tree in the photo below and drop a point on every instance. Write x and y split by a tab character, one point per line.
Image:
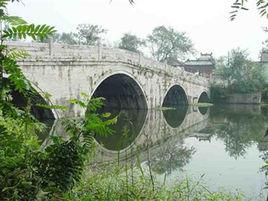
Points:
68	38
169	45
89	34
241	74
130	42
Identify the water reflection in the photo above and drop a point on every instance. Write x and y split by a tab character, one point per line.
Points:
158	129
128	127
239	128
171	157
175	117
203	110
227	144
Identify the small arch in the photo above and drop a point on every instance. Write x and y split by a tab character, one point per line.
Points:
175	97
121	92
203	98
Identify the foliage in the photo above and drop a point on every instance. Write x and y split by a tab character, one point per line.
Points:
18	146
27	171
67	38
239	74
86	34
61	165
89	34
122	183
131	43
24	30
168	45
239	5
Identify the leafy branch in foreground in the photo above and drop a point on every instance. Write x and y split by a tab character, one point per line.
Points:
31	30
240	5
27	170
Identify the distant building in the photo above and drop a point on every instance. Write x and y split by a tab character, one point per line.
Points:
204	65
264	62
264	57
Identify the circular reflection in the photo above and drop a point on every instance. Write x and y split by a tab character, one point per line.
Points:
203	110
175	117
175	97
128	126
124	99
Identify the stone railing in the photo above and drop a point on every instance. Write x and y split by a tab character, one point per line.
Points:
61	52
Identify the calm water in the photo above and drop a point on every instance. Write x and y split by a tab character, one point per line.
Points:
228	145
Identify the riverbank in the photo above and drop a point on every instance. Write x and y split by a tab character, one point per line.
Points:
125	183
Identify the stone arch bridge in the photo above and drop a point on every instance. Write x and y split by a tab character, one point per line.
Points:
125	79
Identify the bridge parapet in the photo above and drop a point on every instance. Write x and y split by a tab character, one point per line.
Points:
46	52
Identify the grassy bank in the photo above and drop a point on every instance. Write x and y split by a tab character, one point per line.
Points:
130	184
202	104
164	108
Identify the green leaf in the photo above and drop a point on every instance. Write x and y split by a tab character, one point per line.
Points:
56	107
13	20
30	30
17	54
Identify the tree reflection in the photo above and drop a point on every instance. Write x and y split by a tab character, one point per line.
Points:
172	156
238	129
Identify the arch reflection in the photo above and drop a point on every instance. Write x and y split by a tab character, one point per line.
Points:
128	127
203	110
175	117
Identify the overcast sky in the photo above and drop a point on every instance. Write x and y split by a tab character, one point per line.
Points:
206	22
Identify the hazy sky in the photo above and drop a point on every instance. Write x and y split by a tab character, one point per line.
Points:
206	22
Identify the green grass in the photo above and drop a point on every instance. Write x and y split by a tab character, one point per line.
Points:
164	108
264	104
202	104
132	184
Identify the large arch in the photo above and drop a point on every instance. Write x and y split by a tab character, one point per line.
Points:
34	98
175	97
121	92
124	98
203	98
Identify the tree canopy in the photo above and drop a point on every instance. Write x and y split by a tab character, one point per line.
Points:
169	45
130	42
240	73
86	34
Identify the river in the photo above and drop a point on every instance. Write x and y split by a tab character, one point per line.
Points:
226	145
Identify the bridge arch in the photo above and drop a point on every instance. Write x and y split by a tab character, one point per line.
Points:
203	98
36	97
121	91
175	97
